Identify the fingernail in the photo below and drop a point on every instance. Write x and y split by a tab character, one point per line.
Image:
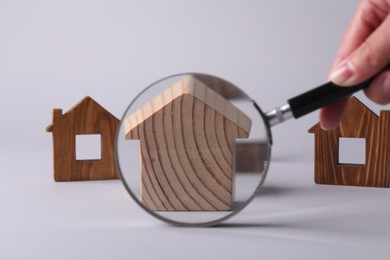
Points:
325	127
342	75
386	85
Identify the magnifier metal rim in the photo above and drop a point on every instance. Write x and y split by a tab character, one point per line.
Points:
174	222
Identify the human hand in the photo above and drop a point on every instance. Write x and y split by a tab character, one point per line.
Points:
364	52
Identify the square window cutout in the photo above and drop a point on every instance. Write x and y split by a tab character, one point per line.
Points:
88	147
352	151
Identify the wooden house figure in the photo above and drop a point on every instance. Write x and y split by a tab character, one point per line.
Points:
85	118
187	139
358	122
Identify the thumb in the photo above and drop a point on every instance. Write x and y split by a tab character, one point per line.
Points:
367	60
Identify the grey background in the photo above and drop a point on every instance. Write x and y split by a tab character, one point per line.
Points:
53	53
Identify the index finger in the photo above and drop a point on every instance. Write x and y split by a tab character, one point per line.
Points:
368	16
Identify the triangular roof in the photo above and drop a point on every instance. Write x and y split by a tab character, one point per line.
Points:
353	103
86	99
192	86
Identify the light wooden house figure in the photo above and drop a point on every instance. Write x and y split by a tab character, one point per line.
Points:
85	118
358	123
187	137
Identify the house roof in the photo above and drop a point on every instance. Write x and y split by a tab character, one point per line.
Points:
353	104
192	86
86	100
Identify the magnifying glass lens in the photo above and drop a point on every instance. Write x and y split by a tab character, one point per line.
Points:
193	149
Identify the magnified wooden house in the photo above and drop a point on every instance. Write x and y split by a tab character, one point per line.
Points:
370	134
87	118
187	139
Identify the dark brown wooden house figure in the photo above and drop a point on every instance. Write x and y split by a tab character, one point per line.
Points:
187	139
85	118
358	122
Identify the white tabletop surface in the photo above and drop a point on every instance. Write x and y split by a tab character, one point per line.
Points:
290	218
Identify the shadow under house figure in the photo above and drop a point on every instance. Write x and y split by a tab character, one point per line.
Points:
187	137
358	122
85	118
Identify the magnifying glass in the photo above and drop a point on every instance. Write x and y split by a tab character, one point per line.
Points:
194	149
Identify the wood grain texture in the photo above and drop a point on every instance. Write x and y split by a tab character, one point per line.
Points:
87	117
187	139
358	122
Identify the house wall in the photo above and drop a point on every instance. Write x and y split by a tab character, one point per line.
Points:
383	158
86	118
186	153
359	122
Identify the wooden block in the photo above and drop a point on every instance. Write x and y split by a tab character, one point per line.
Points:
251	157
85	118
187	139
358	122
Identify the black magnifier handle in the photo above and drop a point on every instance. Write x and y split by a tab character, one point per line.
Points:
312	100
321	96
